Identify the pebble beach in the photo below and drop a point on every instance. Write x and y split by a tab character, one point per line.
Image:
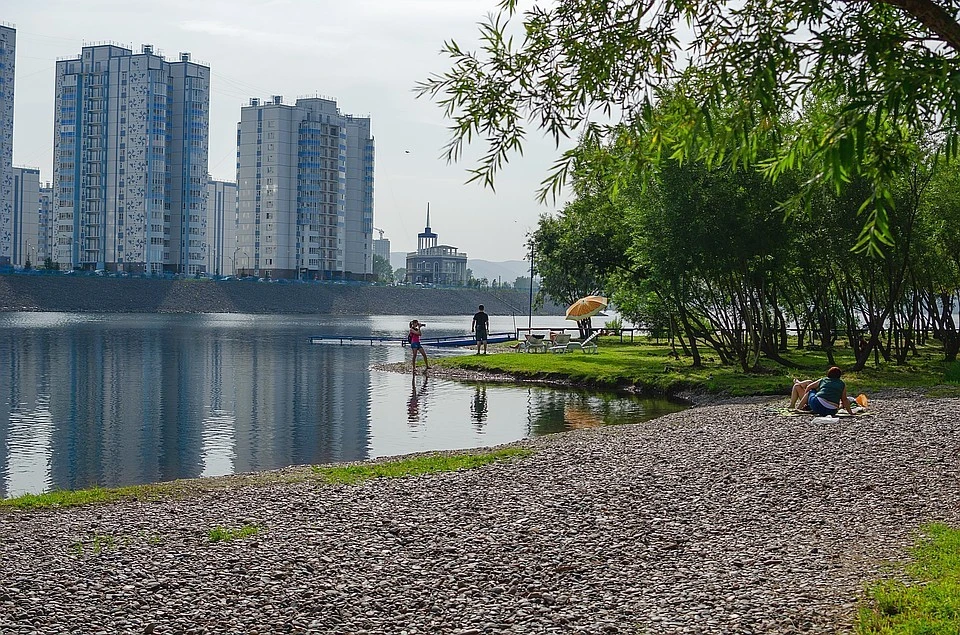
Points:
718	519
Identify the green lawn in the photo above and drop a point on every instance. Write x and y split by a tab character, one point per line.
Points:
648	365
928	601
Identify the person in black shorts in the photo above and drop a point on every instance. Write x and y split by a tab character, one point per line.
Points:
479	327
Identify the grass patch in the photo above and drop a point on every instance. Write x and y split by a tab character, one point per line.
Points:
930	601
194	487
73	498
152	492
648	364
99	544
427	464
952	374
221	534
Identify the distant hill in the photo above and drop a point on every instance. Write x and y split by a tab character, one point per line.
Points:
507	270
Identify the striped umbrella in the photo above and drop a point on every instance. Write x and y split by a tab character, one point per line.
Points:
586	307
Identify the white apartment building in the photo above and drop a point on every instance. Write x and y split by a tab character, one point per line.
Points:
25	218
305	200
221	227
130	161
8	54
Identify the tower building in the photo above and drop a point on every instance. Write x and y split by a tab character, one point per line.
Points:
130	161
305	191
8	54
25	217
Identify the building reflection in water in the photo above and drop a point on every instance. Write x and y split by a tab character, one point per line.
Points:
119	400
157	398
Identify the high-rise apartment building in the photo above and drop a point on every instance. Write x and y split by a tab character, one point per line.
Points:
45	241
381	247
8	51
25	219
130	161
221	227
305	201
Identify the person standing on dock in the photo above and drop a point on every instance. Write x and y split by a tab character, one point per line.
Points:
479	327
415	346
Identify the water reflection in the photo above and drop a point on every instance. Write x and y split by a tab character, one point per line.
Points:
117	400
417	392
478	407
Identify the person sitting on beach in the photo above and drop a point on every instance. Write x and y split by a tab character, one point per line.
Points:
822	396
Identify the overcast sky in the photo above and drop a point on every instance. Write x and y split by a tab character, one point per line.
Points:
366	54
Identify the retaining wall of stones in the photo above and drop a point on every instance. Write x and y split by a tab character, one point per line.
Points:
129	295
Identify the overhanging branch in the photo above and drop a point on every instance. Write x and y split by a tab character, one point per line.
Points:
931	15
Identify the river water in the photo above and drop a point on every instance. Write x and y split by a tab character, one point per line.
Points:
111	400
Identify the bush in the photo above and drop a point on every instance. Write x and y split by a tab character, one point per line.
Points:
952	375
613	325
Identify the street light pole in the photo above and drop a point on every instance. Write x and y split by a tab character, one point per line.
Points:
234	261
530	314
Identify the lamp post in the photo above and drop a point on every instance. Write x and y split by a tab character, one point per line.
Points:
530	313
29	248
246	262
233	259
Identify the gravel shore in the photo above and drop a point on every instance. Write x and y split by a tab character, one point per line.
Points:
719	519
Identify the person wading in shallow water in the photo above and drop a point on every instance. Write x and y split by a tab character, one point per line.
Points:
479	327
416	346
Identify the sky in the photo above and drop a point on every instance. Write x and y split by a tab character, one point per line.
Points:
366	54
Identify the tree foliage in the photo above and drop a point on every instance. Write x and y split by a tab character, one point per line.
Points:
382	271
705	253
598	70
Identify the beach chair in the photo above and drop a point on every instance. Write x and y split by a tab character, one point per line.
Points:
560	343
533	344
588	345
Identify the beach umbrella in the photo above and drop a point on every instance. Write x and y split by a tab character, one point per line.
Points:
586	307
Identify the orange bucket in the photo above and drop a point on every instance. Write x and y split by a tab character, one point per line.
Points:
862	400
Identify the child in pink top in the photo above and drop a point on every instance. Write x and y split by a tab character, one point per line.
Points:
415	346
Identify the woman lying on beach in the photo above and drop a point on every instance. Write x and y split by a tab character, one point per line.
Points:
823	396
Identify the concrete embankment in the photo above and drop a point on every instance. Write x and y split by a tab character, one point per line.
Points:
118	295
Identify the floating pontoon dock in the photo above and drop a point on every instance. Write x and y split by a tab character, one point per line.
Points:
452	340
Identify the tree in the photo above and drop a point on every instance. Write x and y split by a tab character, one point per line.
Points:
577	250
522	283
400	275
382	271
598	69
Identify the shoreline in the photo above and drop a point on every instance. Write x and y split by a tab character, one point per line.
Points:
720	519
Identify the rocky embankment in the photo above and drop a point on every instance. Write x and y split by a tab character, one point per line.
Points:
718	519
127	295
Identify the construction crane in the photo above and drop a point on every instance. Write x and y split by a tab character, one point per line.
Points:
379	230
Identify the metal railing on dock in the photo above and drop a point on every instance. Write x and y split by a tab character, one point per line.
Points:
351	339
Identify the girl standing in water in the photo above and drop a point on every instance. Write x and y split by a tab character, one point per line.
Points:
415	346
